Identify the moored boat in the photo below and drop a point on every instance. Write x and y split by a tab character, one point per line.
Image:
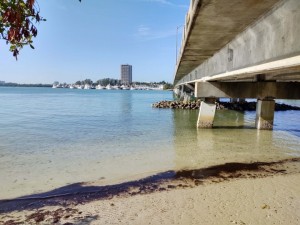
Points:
100	87
124	87
87	86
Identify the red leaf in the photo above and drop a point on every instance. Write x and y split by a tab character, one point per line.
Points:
30	3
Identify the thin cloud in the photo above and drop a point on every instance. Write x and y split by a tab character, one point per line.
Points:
166	2
145	33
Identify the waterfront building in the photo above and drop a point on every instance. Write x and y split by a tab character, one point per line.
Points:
126	74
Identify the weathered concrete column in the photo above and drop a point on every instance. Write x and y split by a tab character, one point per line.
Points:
233	100
206	113
182	93
186	98
265	114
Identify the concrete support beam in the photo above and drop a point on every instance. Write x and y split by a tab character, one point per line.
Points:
258	90
206	113
265	114
190	87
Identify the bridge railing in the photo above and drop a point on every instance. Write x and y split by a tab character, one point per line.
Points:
186	26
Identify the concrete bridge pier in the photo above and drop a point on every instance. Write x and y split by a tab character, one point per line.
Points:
186	98
206	113
235	100
184	92
265	114
181	95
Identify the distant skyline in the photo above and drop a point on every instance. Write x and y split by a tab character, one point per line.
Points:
93	38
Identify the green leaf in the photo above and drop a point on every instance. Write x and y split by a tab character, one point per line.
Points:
12	48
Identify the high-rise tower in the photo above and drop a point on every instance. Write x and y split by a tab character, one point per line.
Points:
126	74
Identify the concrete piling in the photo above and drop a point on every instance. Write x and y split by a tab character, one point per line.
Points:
206	113
265	114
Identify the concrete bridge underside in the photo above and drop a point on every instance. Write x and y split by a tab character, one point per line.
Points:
240	49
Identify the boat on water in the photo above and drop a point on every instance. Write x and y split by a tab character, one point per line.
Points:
108	87
100	87
124	87
132	88
87	86
57	86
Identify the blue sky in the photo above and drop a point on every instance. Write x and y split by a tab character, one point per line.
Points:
93	38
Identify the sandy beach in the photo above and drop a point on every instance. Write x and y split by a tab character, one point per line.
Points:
269	200
257	193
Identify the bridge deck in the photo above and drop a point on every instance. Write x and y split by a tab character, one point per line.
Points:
211	24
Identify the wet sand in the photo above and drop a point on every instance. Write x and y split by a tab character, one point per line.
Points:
232	193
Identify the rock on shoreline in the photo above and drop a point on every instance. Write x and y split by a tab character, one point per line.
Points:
238	106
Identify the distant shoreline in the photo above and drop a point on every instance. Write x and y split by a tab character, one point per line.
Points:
25	85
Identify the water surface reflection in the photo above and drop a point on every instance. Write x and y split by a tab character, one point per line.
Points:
233	139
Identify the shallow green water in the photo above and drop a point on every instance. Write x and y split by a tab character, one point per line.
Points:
53	137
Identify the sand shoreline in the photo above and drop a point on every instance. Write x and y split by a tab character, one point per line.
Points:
166	190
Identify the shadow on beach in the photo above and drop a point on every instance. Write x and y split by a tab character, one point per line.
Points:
80	193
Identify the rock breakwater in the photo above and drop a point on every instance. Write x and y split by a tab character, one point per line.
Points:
238	106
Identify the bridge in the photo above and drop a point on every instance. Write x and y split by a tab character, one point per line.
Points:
240	49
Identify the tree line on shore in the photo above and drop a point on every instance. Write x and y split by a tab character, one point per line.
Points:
10	84
113	82
102	82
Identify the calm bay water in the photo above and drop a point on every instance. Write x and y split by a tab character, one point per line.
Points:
53	137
